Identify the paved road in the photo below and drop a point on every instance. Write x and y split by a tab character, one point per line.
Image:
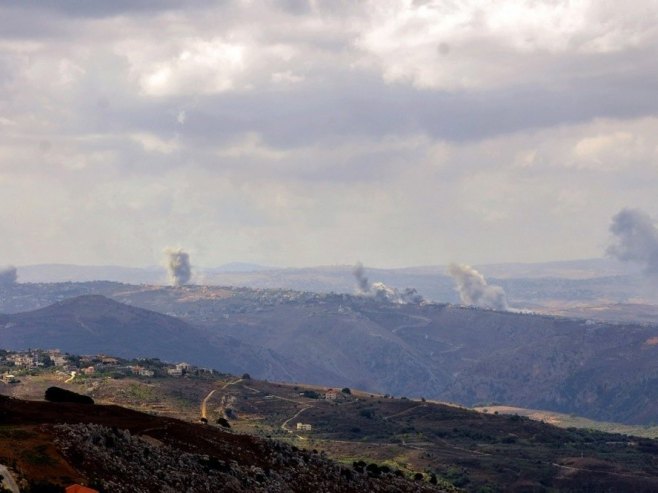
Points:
8	480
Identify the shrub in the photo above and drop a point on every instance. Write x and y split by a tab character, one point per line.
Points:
43	487
57	394
367	413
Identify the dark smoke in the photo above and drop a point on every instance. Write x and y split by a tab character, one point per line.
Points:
474	290
636	238
8	276
363	286
382	292
178	266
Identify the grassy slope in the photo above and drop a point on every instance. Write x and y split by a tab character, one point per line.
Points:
469	449
572	421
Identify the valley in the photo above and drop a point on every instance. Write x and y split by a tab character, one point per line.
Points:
600	370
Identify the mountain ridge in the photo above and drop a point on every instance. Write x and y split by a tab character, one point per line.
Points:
440	351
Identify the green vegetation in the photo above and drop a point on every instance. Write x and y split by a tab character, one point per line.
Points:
572	421
140	392
38	455
456	447
15	433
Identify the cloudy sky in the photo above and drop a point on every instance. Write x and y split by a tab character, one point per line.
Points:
314	132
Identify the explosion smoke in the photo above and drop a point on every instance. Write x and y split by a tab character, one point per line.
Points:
178	266
359	273
474	290
8	276
382	292
637	239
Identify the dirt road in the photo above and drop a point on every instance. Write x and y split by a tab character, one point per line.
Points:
8	480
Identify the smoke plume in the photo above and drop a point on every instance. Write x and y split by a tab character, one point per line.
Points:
363	286
8	276
636	238
474	290
382	292
178	266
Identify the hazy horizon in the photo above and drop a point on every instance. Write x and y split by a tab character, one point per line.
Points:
249	265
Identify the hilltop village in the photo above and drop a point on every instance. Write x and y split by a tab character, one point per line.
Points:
15	364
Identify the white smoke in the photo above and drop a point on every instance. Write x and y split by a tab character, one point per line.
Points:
178	266
8	276
474	290
382	292
636	239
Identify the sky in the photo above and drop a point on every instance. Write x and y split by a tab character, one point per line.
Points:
298	133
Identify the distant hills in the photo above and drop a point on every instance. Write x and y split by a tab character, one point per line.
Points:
532	285
86	273
93	324
471	356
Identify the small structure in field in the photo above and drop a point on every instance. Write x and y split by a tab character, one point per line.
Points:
304	427
331	394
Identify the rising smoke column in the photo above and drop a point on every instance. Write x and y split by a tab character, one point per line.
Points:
636	238
8	276
178	266
359	273
474	290
382	292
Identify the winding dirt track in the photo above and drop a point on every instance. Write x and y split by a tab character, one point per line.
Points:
422	322
204	402
8	480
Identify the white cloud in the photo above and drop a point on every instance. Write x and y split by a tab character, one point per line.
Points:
251	146
475	45
287	77
199	67
391	131
153	143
